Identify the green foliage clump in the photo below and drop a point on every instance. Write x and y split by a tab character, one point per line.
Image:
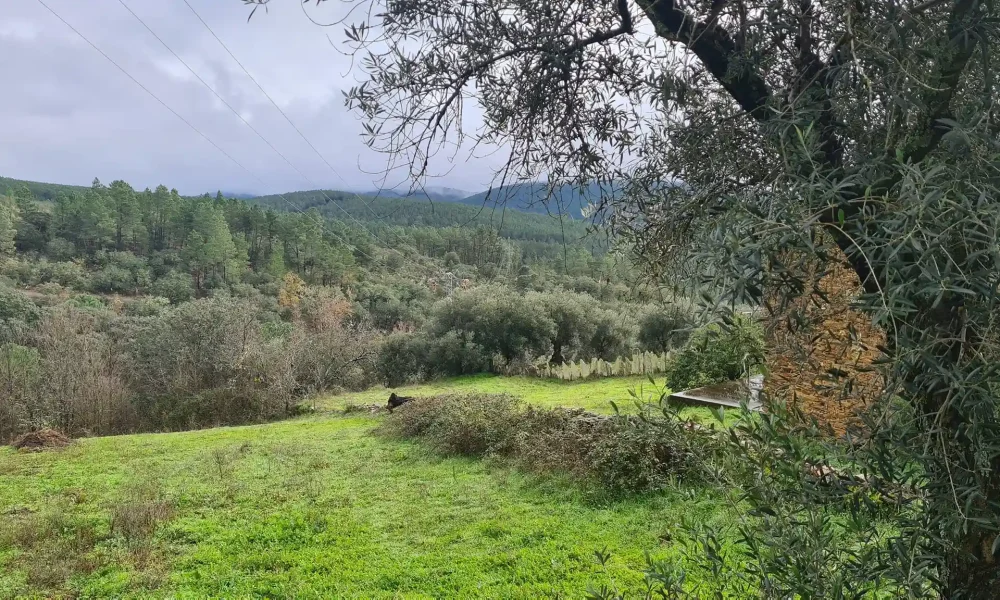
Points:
16	310
717	353
498	320
410	357
175	286
663	328
9	219
621	454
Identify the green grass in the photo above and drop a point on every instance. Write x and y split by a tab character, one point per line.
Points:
591	394
318	508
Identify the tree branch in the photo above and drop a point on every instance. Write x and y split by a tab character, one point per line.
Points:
716	49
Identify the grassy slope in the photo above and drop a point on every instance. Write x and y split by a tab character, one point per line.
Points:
592	394
321	508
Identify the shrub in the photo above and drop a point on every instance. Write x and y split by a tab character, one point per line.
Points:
663	328
199	364
619	454
148	306
87	301
401	359
409	357
113	279
175	286
614	334
387	306
498	320
572	319
17	312
470	425
20	376
60	249
717	353
121	272
450	355
67	274
82	389
334	357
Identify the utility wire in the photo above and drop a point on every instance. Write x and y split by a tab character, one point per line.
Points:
240	117
185	121
283	114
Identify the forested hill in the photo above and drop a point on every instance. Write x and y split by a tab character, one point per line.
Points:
520	212
275	233
537	198
565	200
46	192
388	211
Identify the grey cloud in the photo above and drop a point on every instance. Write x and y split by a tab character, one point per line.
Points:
69	115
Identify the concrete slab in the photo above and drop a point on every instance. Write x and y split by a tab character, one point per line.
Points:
728	394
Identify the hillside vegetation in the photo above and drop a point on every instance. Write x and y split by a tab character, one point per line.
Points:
126	311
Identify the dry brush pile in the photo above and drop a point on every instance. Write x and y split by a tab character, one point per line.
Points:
618	453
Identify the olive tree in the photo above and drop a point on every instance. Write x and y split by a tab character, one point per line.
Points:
758	140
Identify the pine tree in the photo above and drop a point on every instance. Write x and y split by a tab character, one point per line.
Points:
125	211
8	225
193	254
276	261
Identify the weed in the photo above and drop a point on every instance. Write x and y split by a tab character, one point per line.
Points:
140	512
54	546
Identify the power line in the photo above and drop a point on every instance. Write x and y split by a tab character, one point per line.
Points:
239	116
185	121
279	109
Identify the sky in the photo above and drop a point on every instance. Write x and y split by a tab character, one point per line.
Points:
69	115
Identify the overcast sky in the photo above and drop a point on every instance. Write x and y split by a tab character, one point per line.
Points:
68	115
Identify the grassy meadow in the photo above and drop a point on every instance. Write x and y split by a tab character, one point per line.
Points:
318	507
595	395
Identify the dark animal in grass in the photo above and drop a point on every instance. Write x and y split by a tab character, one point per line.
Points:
397	401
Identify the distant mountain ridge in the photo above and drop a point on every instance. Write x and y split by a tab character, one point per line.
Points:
443	194
536	197
523	197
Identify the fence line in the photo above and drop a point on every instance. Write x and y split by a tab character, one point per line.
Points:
640	363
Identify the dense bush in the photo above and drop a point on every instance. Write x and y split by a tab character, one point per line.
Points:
498	320
717	353
614	333
64	375
663	328
408	357
201	364
84	369
473	425
392	304
17	312
619	453
402	359
175	286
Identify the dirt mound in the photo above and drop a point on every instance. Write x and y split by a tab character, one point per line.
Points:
43	439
